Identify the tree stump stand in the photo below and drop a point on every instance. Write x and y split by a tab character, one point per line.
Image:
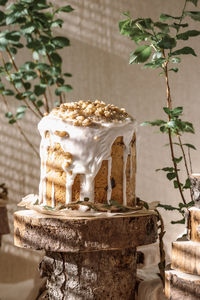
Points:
86	257
4	228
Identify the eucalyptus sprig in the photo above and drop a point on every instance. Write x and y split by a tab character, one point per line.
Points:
27	29
159	48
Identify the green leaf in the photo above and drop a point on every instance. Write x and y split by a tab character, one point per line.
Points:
8	115
57	23
39	90
29	75
175	184
167	42
39	103
2	16
27	85
193	1
187	184
190	146
182	221
167	207
27	28
8	93
66	9
175	60
56	59
174	70
20	112
187	34
184	50
177	160
43	67
13	50
171	176
36	55
67	74
13	36
61	41
168	169
177	26
12	121
8	66
164	27
195	15
3	2
140	55
157	63
29	65
164	17
64	88
153	123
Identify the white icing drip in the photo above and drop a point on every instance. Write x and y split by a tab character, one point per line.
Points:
43	154
87	153
52	195
87	187
69	183
109	191
131	162
125	157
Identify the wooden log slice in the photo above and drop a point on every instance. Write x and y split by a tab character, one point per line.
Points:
181	286
64	234
194	224
99	275
186	257
4	228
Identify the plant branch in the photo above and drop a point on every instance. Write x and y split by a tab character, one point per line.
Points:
182	16
169	105
20	129
162	263
185	161
24	99
190	161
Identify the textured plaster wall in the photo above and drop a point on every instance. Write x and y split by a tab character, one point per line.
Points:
98	60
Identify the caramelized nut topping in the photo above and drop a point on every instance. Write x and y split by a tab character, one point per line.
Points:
61	133
88	113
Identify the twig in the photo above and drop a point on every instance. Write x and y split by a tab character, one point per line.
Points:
169	105
190	161
185	161
20	129
27	104
162	262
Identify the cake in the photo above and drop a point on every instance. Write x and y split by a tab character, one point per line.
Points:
87	154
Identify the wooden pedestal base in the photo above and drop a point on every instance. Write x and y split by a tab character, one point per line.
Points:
181	286
106	274
86	257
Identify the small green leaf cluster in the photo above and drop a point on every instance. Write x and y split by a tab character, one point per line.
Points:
181	209
31	24
176	125
159	37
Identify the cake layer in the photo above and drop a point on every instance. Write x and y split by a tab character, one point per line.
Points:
94	162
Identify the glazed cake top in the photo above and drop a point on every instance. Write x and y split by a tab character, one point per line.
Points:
90	113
